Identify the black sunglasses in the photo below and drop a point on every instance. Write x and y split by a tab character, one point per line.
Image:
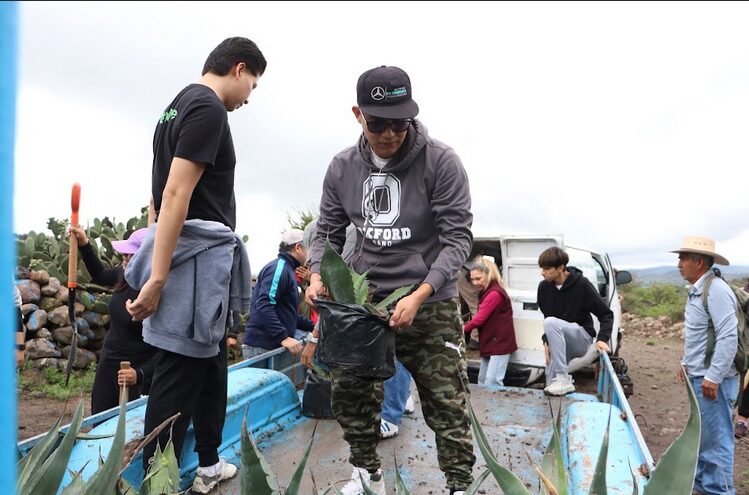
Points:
377	126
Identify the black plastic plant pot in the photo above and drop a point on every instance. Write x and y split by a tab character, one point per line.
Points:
355	341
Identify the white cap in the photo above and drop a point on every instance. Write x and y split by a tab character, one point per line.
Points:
291	237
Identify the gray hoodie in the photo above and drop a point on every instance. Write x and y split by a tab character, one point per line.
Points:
209	275
413	218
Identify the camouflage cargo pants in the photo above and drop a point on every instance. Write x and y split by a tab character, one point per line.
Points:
421	348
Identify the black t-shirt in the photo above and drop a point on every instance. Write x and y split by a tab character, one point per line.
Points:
195	127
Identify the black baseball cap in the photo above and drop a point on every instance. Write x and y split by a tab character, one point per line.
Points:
385	92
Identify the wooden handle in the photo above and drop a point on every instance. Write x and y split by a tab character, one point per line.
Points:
124	365
73	263
75	201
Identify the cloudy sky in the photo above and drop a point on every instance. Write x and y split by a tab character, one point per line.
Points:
622	126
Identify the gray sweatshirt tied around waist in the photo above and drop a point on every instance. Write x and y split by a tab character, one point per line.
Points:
209	275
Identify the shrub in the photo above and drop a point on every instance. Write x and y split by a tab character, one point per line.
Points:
654	300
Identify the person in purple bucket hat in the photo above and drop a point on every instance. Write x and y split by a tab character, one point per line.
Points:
124	339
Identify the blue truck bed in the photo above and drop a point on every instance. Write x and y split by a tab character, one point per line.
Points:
515	420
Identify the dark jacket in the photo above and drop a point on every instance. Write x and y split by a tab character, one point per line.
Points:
274	313
575	302
496	331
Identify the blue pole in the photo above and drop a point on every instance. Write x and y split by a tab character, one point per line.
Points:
8	61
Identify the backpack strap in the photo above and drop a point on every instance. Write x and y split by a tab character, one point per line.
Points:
710	327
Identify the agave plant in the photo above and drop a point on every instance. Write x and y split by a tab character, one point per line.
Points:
256	476
553	472
40	472
674	473
347	286
598	485
42	469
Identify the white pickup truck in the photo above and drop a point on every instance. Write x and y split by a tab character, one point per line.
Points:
517	258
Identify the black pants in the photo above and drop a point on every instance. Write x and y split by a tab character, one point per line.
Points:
196	388
106	392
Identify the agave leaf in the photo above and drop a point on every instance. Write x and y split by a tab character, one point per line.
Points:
510	484
598	485
256	477
47	479
125	488
85	436
474	487
296	480
163	475
552	463
393	297
75	487
104	480
375	311
29	463
635	490
361	286
336	276
674	473
400	486
367	490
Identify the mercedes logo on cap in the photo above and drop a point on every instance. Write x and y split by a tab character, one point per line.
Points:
378	93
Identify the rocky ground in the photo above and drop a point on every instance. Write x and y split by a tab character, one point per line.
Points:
651	348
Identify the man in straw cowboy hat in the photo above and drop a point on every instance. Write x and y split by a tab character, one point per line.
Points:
714	377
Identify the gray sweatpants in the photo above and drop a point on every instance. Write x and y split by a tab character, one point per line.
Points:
566	342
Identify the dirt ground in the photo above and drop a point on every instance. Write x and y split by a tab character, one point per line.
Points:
659	401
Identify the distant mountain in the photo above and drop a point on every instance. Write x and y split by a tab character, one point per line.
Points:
670	274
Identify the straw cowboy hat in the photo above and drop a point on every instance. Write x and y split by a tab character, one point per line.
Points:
700	245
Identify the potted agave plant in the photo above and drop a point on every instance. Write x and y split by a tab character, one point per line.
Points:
355	336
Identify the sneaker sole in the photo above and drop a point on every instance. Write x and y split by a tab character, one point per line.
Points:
564	392
214	484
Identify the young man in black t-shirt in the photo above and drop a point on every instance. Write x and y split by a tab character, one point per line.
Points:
193	178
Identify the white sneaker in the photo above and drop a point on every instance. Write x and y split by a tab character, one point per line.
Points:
359	475
410	407
461	492
560	385
204	483
387	429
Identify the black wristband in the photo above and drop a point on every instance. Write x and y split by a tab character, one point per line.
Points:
21	347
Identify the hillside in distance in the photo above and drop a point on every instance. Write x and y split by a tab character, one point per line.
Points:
670	274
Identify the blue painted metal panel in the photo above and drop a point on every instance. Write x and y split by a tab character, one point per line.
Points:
583	428
267	397
611	391
8	74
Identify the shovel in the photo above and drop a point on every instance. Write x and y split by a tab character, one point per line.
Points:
75	199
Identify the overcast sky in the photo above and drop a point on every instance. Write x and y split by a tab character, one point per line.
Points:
622	126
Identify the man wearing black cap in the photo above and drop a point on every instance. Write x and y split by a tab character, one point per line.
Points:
408	197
